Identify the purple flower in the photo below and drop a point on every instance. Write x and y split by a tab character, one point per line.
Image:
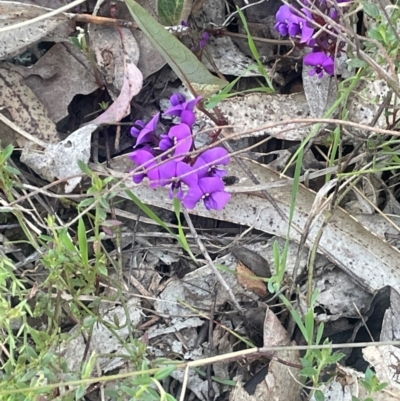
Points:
147	131
289	23
179	135
211	190
204	40
179	104
145	159
207	163
175	173
321	63
177	99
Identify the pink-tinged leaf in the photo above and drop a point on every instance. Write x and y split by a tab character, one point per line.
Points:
131	86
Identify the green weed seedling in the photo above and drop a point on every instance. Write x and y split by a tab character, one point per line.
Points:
372	384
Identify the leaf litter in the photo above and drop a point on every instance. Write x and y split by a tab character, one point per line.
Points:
185	311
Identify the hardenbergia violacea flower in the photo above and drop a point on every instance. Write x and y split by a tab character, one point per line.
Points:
314	29
164	160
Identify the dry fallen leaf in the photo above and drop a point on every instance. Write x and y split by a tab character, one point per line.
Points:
250	281
111	46
15	41
20	105
150	59
283	382
274	333
117	53
61	160
102	340
63	72
346	242
121	107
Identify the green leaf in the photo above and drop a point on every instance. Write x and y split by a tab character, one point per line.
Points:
76	42
310	323
12	170
375	34
86	202
84	167
83	244
182	236
381	386
80	392
308	372
184	63
7	152
371	9
170	11
319	395
142	381
163	373
296	315
65	239
336	357
357	63
369	375
254	51
28	375
319	333
148	211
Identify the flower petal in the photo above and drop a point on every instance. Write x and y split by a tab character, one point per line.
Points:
281	27
192	198
141	157
136	131
217	200
201	167
306	33
166	143
191	104
148	130
217	155
177	98
186	173
211	184
188	117
284	13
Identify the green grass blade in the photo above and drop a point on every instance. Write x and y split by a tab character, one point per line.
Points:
182	236
148	211
254	51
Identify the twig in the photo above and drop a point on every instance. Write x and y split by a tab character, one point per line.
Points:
23	133
184	384
42	17
210	261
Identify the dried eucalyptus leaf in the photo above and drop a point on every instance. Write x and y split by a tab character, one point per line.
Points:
109	44
62	73
61	160
22	107
15	41
248	113
321	93
361	254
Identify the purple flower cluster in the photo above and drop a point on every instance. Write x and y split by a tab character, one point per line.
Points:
314	30
163	159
